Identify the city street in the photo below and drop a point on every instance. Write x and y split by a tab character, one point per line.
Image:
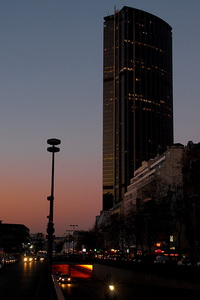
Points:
28	281
24	281
93	290
83	287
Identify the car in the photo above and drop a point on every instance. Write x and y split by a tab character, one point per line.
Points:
28	259
65	278
57	275
161	259
184	262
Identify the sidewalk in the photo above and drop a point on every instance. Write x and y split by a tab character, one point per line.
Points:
45	288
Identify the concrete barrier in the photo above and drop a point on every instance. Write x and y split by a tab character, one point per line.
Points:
57	288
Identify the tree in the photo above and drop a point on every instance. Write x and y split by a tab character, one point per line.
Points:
191	189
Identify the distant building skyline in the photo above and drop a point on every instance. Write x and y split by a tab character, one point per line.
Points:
137	96
13	237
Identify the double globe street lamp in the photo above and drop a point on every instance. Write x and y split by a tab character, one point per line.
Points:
50	226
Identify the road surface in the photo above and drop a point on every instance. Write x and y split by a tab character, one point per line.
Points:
24	281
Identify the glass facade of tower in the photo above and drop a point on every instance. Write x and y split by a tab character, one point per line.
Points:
137	96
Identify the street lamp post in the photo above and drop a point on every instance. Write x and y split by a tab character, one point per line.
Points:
50	226
73	226
68	239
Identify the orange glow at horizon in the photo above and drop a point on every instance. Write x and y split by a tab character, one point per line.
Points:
24	196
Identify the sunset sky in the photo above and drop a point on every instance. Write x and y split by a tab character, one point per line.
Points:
51	66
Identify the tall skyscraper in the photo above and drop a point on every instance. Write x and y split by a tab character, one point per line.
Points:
137	96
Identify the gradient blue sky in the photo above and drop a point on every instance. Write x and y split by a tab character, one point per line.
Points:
51	54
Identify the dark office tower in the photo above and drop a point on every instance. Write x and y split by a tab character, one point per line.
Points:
137	96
